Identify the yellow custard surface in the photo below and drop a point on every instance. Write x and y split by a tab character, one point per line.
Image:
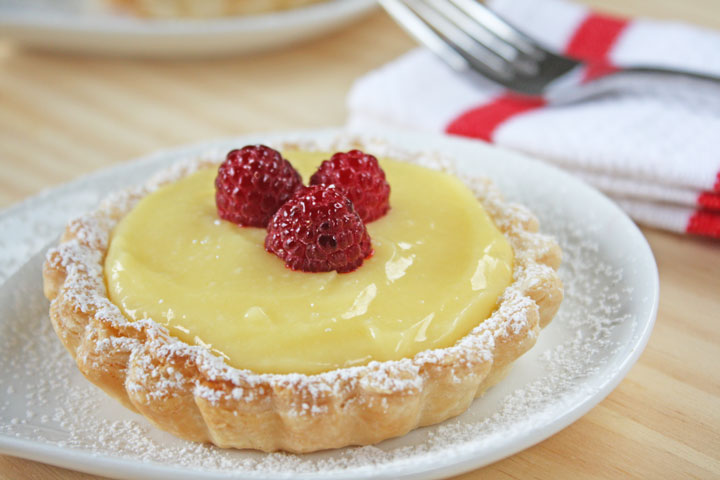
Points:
438	268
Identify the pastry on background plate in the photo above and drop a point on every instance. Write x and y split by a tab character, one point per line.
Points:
206	8
301	298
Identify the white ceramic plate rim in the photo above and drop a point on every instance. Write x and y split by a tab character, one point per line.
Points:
108	24
466	460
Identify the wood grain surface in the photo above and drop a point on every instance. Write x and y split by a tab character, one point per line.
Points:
64	116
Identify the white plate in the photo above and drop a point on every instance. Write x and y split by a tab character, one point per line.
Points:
72	25
48	412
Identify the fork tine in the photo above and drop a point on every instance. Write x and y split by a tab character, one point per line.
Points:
475	53
475	30
500	27
517	58
424	34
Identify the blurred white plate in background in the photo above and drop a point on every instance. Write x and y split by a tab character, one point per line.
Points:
74	26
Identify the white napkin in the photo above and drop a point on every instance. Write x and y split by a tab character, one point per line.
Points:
654	145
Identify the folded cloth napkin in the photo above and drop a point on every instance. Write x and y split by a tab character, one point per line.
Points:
652	145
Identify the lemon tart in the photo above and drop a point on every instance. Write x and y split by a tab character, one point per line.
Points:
185	317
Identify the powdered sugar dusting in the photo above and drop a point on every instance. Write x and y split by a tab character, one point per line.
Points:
42	397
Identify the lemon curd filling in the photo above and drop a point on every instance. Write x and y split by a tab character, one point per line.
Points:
438	268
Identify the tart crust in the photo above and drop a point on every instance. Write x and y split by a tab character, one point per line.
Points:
195	395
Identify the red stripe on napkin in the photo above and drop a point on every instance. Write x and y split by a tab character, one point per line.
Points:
592	42
595	37
481	122
706	219
704	222
709	200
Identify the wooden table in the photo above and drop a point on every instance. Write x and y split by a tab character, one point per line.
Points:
63	116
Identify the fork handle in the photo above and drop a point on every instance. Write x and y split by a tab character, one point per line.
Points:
667	71
585	81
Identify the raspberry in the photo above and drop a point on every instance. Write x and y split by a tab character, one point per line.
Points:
252	183
360	177
318	230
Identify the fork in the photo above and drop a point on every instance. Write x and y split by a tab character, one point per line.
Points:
470	37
